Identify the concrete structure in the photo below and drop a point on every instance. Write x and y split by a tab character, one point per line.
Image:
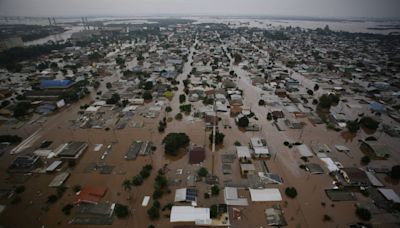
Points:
72	150
190	214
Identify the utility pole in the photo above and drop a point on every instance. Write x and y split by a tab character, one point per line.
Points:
214	133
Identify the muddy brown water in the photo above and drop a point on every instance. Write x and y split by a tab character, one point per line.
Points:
303	211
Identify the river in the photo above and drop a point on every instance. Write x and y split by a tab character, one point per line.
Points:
56	37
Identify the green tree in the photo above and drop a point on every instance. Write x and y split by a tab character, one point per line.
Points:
120	61
214	211
182	98
126	184
67	209
202	172
108	85
22	109
186	108
316	87
238	58
219	138
243	121
261	102
154	213
160	181
113	99
363	213
365	160
353	126
168	109
269	116
137	180
145	173
291	192
122	211
157	193
175	141
324	102
147	95
369	123
148	85
395	172
178	116
215	190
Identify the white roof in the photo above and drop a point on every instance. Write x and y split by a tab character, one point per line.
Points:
256	142
92	109
243	151
53	166
231	197
189	214
304	150
261	150
180	195
42	152
341	148
292	108
330	164
59	179
136	100
267	194
374	180
230	193
390	194
99	103
236	97
146	200
129	108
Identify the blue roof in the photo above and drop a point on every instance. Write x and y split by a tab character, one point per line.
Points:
378	107
45	84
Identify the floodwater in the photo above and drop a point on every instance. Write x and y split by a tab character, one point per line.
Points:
56	37
345	25
304	211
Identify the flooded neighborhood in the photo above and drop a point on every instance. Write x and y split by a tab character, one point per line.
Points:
199	121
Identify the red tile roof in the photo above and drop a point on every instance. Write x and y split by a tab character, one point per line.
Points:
91	195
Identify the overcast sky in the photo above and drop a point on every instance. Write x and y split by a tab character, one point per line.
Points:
312	8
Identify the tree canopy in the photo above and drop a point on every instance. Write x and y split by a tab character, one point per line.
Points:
395	172
369	123
121	211
219	138
326	101
202	172
243	121
291	192
174	141
353	126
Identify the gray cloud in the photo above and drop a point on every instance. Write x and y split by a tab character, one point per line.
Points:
314	8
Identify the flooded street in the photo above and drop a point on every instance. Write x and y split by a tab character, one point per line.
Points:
148	75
